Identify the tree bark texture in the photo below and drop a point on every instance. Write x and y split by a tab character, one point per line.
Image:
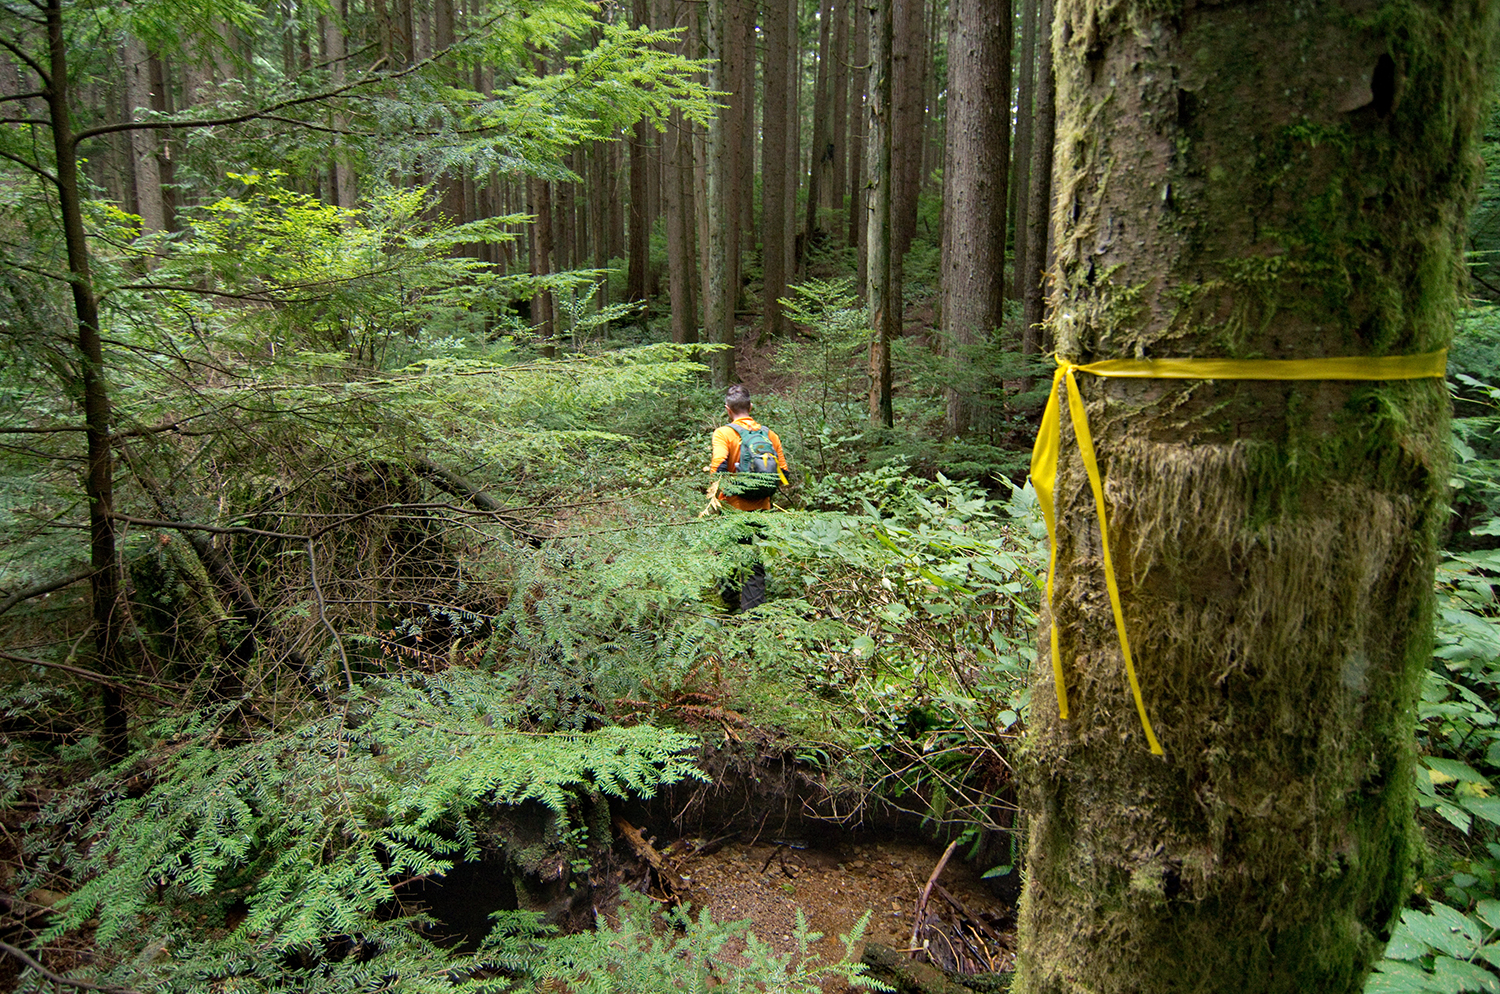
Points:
774	136
820	159
974	173
99	476
883	297
718	299
1258	180
859	201
144	143
908	56
1033	267
1020	181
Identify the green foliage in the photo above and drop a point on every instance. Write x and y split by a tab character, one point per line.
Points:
313	828
688	955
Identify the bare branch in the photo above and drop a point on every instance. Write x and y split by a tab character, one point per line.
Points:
132	687
214	529
30	165
7	98
33	64
39	431
45	587
58	978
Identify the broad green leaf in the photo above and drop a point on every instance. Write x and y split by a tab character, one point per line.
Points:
1398	978
1445	930
1452	769
1457	976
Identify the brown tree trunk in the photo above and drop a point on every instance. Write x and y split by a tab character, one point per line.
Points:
775	133
820	157
144	143
859	115
718	299
881	293
838	129
1039	202
99	475
908	50
1020	184
974	175
1226	191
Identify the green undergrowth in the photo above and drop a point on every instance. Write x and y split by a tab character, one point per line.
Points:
1449	939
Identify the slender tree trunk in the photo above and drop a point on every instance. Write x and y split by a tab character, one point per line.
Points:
974	175
599	200
99	477
1020	184
1274	541
1039	206
882	295
774	136
616	201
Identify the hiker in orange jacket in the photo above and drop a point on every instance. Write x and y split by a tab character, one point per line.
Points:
750	591
726	452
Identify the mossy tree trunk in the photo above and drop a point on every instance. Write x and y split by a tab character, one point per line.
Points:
1249	180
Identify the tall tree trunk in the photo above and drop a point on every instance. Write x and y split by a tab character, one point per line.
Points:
838	127
163	102
1039	202
746	17
718	300
143	142
677	170
99	477
859	116
820	157
1020	184
907	86
1230	190
600	196
640	240
450	187
974	174
882	295
793	143
774	137
343	183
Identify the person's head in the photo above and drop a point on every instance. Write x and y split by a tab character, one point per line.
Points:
737	401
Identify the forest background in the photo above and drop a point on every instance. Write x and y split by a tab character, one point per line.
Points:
359	367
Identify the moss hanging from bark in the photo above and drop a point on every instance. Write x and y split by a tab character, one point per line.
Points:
1277	180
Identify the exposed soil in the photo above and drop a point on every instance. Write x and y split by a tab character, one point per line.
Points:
835	881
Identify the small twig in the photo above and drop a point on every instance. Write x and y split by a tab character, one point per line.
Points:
58	978
937	871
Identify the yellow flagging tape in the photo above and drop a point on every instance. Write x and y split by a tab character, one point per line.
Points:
1049	442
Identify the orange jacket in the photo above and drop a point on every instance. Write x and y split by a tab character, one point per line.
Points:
726	457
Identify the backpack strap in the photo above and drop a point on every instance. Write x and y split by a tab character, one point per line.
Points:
742	432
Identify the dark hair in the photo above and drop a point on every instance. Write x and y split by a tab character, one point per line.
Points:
737	399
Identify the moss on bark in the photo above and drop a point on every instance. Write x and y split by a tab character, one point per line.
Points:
1253	180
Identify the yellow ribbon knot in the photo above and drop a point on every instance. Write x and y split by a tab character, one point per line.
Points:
1049	442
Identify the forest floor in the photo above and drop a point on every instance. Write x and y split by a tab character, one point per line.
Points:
834	882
